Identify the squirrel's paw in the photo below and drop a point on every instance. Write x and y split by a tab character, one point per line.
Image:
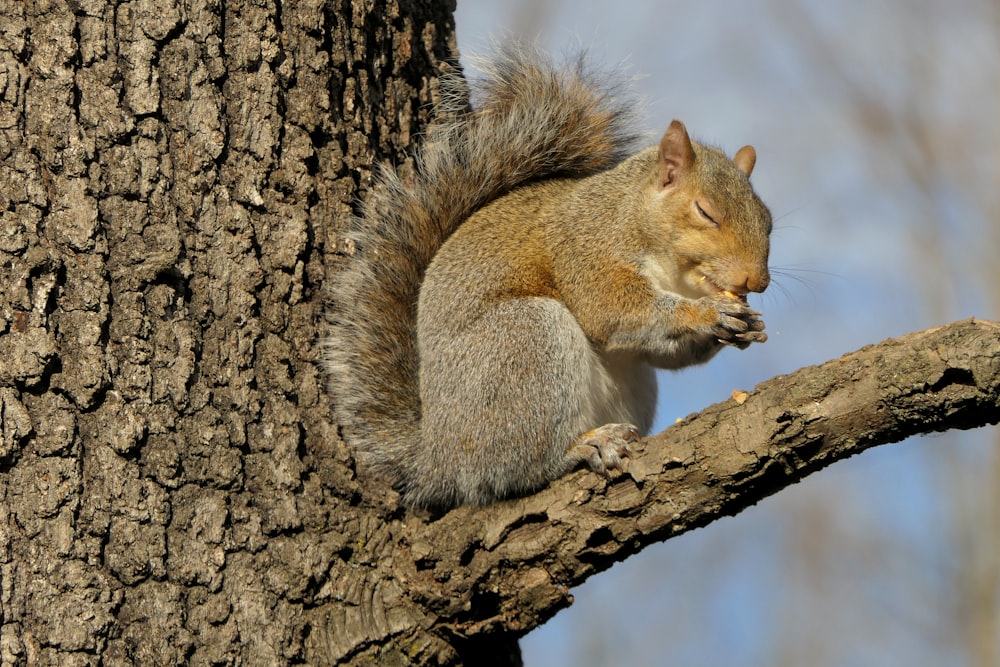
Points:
738	324
603	448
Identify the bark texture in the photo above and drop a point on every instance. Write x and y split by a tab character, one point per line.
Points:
171	179
172	489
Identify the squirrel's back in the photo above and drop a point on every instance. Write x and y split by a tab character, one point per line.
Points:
532	119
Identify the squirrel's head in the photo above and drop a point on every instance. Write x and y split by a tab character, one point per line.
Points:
708	218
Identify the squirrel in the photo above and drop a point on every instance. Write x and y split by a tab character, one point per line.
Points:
504	307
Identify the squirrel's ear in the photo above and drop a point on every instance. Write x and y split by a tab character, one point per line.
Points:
676	153
745	159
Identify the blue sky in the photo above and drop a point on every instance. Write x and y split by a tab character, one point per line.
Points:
843	102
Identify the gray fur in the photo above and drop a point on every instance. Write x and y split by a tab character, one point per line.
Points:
533	120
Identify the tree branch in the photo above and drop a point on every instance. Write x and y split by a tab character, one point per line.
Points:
509	567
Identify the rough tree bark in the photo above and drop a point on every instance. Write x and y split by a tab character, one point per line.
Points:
172	489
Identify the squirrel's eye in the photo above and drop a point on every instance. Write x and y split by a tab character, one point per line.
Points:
705	215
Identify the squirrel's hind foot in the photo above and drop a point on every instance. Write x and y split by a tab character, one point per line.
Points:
603	448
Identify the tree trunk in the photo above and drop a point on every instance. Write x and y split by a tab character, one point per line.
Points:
173	175
173	489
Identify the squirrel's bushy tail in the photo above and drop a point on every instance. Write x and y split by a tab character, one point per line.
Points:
532	119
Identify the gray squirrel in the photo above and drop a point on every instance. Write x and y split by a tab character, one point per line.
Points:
501	316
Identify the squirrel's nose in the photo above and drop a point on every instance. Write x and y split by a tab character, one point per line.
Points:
756	281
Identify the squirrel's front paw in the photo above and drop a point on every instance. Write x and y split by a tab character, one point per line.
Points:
738	324
603	448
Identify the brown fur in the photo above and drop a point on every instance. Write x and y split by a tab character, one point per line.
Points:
516	296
